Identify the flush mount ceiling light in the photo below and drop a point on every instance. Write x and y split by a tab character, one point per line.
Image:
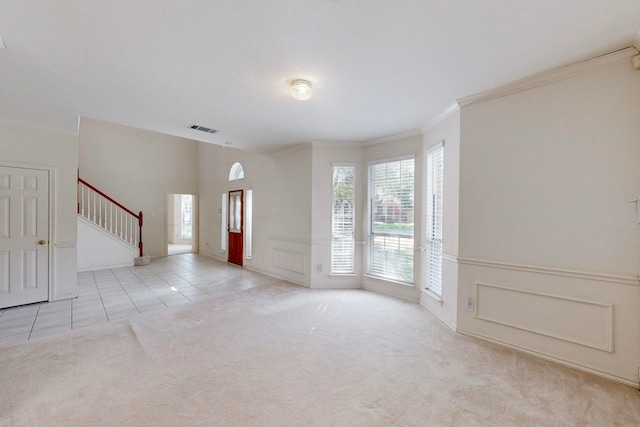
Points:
301	89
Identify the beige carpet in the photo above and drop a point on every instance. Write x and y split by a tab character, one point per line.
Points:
282	355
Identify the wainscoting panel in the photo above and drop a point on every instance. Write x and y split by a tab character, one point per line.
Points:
580	319
562	318
289	260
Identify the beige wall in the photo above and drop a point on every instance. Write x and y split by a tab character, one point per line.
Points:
554	168
22	144
549	244
138	168
214	165
290	195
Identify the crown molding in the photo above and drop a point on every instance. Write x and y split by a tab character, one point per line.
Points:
552	76
290	149
336	144
408	134
440	117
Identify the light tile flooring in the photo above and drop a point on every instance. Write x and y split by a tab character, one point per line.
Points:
178	249
119	293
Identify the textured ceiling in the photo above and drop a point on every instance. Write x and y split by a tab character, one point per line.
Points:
379	67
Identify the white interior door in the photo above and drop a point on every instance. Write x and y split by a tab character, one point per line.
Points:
24	235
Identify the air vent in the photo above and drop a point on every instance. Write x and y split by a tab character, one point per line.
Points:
202	129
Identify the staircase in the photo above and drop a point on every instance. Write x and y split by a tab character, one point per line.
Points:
109	234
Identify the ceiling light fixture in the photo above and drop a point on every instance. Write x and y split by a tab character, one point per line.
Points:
1	44
301	89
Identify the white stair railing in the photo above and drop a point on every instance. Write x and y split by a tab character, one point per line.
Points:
110	215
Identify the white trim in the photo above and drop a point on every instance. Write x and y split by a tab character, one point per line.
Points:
388	280
293	240
270	274
437	314
609	307
553	76
434	147
384	289
432	295
444	115
302	271
291	149
299	241
449	257
550	358
396	137
80	270
625	280
63	245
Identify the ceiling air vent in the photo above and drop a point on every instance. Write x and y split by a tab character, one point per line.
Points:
202	129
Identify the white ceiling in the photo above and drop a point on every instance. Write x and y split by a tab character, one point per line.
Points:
379	67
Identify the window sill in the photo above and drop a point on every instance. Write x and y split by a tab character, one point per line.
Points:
342	275
384	279
433	295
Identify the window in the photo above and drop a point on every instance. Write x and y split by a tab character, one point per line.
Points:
342	222
434	218
186	225
236	172
391	194
223	223
248	229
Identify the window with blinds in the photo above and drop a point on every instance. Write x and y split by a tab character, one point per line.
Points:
342	223
391	209
434	218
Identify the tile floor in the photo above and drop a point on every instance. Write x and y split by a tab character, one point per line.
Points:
119	293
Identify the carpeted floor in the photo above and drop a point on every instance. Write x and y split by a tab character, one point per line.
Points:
283	355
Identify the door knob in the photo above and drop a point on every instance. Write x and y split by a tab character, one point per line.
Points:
41	242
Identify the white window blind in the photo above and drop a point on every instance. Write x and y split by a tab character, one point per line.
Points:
434	219
342	224
391	210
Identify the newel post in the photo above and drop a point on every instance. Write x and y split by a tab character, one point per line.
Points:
140	225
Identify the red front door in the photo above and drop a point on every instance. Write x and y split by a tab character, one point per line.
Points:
236	218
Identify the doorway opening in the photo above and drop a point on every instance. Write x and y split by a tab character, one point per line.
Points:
181	224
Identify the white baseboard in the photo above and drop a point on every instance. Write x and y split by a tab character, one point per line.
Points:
442	319
545	356
105	268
